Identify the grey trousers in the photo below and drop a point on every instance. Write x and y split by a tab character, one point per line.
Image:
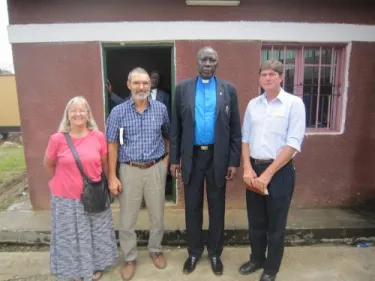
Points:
137	183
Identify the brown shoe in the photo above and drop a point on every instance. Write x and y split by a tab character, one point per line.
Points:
128	270
159	260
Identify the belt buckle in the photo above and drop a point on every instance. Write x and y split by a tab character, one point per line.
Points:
204	147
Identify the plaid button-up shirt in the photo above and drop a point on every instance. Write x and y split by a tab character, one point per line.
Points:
140	135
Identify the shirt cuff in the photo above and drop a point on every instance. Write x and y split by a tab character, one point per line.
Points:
112	139
294	144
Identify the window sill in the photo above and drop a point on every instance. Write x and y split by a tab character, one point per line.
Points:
322	131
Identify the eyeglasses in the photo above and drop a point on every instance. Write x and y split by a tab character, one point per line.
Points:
77	111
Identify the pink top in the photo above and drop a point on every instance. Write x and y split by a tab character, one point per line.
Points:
67	181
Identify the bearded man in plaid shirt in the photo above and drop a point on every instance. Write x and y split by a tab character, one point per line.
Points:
137	135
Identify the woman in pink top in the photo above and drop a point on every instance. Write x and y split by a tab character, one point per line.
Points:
82	245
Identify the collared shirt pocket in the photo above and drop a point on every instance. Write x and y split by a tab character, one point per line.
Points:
278	123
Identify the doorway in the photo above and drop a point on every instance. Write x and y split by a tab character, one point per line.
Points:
120	59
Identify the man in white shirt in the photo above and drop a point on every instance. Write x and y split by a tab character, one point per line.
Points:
273	130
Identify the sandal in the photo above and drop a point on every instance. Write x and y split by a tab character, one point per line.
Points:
97	275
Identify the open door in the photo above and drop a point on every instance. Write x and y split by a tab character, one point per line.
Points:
119	60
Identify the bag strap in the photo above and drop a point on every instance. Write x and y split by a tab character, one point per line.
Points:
75	155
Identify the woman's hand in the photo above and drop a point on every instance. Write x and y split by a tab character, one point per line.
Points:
115	186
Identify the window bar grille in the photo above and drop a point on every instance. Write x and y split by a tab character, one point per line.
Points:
300	72
333	83
319	84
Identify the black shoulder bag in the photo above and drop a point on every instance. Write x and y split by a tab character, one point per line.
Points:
95	195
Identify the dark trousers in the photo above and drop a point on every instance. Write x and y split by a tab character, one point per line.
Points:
267	217
203	169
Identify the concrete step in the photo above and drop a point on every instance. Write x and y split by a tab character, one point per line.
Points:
305	226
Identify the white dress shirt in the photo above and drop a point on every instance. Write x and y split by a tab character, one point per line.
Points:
154	93
269	126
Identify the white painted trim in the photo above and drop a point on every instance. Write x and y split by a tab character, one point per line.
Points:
103	83
346	83
175	65
322	134
175	83
212	2
160	31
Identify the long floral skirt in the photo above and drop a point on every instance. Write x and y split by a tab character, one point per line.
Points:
81	243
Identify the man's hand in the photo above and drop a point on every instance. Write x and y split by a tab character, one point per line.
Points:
175	170
262	182
249	176
231	173
115	186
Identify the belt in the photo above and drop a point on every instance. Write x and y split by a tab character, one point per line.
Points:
204	147
261	161
144	165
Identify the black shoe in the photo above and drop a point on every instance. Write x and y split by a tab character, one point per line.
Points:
216	265
268	277
249	267
190	264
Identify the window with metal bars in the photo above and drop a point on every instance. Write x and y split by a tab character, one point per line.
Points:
315	73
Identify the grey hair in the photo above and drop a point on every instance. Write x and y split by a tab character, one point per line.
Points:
201	50
136	70
65	123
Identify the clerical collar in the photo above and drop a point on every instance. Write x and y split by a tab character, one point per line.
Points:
206	81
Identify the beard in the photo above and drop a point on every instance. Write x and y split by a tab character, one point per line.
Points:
140	95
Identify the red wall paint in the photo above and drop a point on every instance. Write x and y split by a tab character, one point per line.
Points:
48	75
331	170
338	170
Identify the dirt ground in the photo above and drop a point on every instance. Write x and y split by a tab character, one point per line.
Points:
12	137
14	190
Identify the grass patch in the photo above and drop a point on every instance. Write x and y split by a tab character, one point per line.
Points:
12	163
